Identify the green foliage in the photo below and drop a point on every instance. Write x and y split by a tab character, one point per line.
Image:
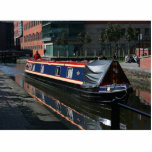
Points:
129	35
135	33
112	33
101	37
62	39
87	38
117	33
80	37
109	33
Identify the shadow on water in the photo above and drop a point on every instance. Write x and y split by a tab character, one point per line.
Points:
76	113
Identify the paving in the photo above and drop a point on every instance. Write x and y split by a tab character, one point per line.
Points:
134	67
136	75
19	111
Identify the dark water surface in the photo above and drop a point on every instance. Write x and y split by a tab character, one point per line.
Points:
79	114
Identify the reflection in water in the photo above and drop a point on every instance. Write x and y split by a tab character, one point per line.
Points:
74	117
81	114
144	96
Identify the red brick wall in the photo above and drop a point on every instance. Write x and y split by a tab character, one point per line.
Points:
145	95
141	52
145	62
35	43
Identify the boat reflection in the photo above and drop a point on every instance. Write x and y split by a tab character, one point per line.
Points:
78	114
82	115
75	118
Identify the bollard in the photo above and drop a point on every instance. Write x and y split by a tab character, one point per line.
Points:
115	115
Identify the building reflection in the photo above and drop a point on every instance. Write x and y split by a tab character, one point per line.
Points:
144	96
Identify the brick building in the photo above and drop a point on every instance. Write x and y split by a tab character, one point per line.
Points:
32	33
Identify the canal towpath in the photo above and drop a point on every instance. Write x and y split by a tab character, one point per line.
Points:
19	111
136	74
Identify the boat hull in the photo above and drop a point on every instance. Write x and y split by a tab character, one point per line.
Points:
92	94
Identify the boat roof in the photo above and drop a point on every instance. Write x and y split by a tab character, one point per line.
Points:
95	72
60	63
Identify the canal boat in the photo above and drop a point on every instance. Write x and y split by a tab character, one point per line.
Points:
99	80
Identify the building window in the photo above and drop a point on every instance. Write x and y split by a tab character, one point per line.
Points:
40	37
58	71
69	72
28	25
28	38
147	31
37	35
33	37
31	24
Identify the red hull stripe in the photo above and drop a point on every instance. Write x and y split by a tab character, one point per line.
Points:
59	64
56	77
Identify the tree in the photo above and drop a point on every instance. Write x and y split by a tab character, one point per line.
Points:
87	40
117	35
80	39
101	38
129	36
109	34
135	35
62	40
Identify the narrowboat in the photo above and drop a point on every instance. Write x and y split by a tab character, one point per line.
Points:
99	80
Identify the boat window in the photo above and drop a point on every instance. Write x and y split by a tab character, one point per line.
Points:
58	70
29	66
42	68
33	68
69	72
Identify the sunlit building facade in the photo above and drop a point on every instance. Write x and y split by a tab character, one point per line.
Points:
32	32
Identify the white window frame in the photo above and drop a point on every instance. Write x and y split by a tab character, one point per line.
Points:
56	71
42	68
68	74
33	67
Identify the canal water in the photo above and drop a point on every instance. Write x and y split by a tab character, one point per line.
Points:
78	114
